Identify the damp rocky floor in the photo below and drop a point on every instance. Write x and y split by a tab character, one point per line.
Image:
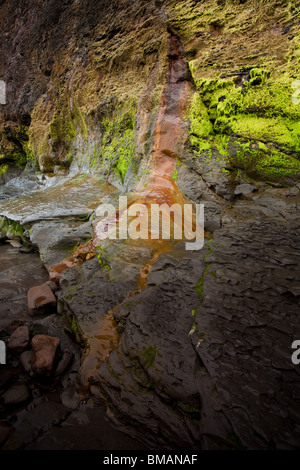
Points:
202	359
38	412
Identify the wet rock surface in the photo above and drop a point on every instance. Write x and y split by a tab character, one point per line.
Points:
81	431
40	300
19	340
178	365
205	350
45	350
55	198
198	356
246	323
32	405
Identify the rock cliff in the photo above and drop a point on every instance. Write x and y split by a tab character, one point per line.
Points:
178	102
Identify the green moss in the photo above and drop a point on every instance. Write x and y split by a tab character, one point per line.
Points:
74	326
95	159
62	130
277	130
242	113
201	126
273	98
149	354
261	162
174	175
102	258
15	149
209	115
65	126
258	76
117	148
11	226
262	146
3	169
125	151
221	142
254	128
199	287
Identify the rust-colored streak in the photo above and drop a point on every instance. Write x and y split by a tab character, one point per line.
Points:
145	271
169	126
101	342
169	137
56	270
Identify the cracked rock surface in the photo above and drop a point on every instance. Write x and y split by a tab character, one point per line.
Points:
204	357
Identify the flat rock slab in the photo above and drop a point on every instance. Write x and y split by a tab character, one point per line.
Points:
57	200
44	353
41	300
19	340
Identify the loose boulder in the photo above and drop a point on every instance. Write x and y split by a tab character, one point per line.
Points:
41	300
19	340
44	353
25	359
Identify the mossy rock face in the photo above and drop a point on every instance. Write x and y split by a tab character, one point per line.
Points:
113	149
117	145
75	71
12	230
149	355
256	129
15	149
245	109
243	57
62	131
